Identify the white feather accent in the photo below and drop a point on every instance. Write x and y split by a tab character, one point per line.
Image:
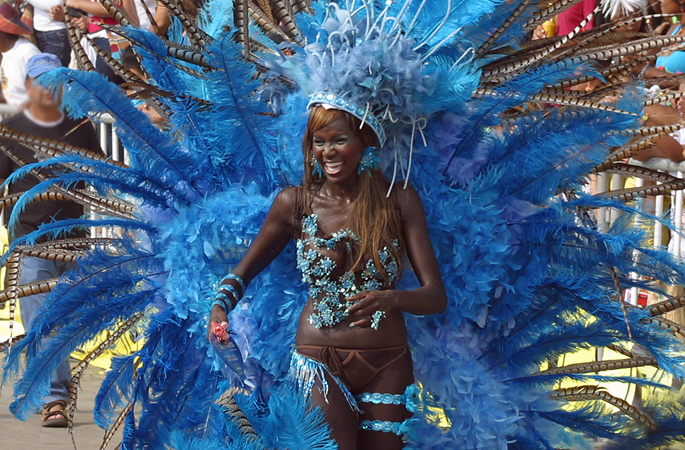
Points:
616	9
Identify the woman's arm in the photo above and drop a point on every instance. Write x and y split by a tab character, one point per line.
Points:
95	8
273	236
430	298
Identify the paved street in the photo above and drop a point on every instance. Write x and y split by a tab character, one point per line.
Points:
29	435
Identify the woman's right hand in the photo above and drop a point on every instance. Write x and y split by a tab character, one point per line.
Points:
216	316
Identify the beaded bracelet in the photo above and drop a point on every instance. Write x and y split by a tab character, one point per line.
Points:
232	276
228	289
222	304
386	426
223	299
223	296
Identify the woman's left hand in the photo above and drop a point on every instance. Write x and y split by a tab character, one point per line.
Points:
371	307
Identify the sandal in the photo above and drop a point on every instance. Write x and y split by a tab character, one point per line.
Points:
54	414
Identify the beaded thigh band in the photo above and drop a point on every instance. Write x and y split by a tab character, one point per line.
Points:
401	429
408	399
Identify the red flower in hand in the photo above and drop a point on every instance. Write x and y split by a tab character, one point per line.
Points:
220	331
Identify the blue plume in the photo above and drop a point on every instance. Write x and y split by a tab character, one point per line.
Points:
90	93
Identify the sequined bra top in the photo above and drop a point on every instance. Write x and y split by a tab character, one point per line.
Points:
329	293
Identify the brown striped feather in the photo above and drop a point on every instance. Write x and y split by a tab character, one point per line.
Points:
301	6
7	345
587	393
111	431
196	36
285	15
74	39
114	64
53	147
628	194
266	23
500	72
580	103
520	9
666	306
621	350
24	290
553	8
602	366
78	370
645	173
241	22
231	407
12	277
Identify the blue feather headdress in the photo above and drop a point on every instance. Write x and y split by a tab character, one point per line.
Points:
380	67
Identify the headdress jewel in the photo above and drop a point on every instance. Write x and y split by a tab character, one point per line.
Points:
331	100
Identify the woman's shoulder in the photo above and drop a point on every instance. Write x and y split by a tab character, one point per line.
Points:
404	195
288	198
288	204
407	200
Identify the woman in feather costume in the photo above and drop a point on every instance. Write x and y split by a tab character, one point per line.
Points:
528	274
351	349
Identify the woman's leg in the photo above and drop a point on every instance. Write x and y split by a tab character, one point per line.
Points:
341	418
394	379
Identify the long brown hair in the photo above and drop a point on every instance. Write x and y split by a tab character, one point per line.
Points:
374	216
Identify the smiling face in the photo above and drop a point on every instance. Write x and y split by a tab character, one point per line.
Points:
338	149
334	140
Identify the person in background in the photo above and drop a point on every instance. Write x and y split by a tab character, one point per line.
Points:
42	117
99	36
130	61
16	50
50	30
568	20
162	20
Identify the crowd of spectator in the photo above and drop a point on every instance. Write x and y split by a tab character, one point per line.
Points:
29	27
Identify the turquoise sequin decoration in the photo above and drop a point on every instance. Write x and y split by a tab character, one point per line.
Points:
378	399
399	428
410	398
330	294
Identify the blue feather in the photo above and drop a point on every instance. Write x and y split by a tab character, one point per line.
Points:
90	93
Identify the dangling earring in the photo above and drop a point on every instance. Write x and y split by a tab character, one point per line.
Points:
316	169
370	160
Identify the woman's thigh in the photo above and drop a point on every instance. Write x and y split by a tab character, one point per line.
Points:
341	418
392	380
